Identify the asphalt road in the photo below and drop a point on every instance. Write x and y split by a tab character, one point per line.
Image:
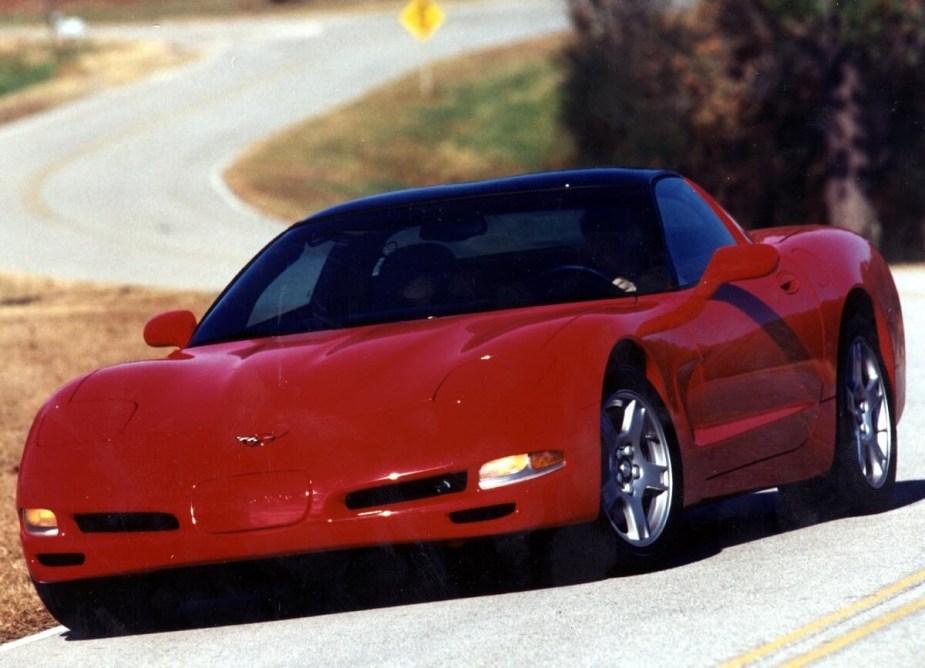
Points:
126	186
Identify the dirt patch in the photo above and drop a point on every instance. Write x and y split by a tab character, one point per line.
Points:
50	332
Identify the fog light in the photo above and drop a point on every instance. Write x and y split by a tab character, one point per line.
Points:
516	468
40	522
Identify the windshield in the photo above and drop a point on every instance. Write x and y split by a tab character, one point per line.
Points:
445	258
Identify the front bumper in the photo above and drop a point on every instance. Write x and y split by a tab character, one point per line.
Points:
125	541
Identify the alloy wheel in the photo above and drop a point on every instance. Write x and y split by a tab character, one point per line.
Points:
868	413
637	482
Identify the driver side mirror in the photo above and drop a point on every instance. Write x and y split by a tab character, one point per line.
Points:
728	264
170	329
737	263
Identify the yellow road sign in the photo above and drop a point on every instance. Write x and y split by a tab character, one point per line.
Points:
422	18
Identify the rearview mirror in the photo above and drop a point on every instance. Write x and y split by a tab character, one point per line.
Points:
737	263
170	329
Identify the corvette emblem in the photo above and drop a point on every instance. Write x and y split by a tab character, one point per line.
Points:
259	440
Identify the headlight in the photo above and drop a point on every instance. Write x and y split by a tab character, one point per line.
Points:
516	468
40	522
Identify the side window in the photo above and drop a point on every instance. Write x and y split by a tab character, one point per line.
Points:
692	230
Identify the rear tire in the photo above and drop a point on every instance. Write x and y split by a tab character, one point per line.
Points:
863	474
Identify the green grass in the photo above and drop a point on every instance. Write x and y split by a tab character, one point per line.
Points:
17	72
489	115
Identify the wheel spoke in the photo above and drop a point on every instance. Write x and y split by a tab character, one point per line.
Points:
652	476
869	413
634	419
856	372
875	406
874	457
637	522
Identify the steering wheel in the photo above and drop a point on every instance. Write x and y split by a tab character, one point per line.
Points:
573	268
570	282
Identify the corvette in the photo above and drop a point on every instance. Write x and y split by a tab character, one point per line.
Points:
603	347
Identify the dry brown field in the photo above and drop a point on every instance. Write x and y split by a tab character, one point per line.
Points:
50	332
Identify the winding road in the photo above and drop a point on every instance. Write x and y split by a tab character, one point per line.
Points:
126	187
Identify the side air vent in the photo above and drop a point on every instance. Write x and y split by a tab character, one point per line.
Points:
402	492
126	522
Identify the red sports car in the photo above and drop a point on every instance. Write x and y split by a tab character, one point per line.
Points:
601	346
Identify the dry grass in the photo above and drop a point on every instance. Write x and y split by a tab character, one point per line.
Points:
91	68
490	114
51	332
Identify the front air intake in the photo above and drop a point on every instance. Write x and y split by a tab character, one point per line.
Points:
402	492
483	514
126	522
61	559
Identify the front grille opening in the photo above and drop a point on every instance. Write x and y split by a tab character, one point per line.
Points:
482	514
58	560
126	522
402	492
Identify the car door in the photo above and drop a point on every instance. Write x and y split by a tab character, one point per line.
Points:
756	390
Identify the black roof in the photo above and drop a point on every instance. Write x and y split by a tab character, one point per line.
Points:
544	181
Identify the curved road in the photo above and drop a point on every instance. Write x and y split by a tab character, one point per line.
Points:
126	186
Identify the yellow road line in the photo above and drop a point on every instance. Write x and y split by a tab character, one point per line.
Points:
829	620
855	635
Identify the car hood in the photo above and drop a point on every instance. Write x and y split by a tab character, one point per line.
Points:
294	424
334	373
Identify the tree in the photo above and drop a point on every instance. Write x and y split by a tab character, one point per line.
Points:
792	110
836	88
621	70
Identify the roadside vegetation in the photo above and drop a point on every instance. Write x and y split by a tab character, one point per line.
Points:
23	67
36	75
488	115
790	112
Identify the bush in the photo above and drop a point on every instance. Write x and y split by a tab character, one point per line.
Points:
793	112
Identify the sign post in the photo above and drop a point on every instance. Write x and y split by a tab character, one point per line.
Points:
423	18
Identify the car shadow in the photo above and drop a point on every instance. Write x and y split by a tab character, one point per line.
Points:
365	579
713	527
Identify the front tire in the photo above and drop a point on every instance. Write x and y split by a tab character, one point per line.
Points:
641	489
99	607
